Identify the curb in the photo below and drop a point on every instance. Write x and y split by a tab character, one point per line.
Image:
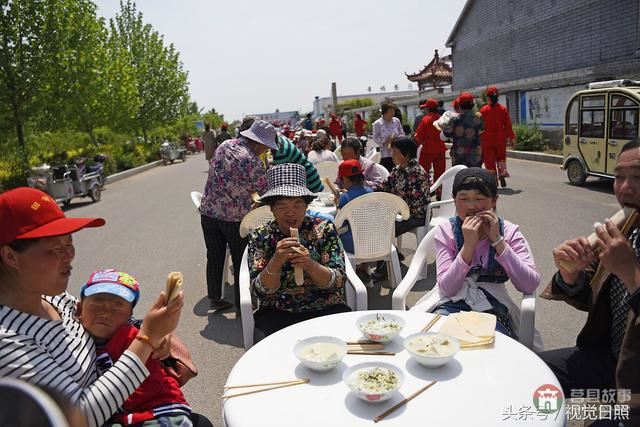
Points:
536	157
531	155
130	172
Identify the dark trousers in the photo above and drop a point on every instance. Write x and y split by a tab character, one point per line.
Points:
582	367
387	162
408	225
270	320
217	235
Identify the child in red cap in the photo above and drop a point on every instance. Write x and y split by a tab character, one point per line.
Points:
354	182
105	307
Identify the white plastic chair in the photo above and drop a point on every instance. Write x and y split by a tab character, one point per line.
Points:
255	218
384	173
327	169
196	198
524	322
372	218
370	153
338	153
375	157
356	294
446	207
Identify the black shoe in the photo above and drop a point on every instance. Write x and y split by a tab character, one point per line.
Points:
381	272
218	305
503	182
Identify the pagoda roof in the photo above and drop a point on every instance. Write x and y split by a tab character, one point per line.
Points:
437	71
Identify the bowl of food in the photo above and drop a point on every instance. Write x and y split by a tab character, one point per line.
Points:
373	381
431	349
380	327
320	353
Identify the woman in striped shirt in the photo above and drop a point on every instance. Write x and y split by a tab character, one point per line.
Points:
41	339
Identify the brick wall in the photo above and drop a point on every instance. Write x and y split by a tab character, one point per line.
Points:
504	40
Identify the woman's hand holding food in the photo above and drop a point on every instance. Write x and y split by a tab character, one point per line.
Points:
471	229
491	225
284	251
161	319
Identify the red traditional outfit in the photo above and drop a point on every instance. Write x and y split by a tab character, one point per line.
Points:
497	125
433	148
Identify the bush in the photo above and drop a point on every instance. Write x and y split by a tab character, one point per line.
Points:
528	138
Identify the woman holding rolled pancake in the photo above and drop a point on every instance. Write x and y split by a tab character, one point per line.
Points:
41	339
275	254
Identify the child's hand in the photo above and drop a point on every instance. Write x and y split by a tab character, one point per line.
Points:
161	320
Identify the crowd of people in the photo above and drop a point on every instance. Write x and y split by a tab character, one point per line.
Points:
89	352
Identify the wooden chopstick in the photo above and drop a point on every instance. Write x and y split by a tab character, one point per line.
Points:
304	381
371	353
365	346
362	342
403	402
228	387
431	323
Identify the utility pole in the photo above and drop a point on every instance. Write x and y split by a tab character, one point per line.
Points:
334	97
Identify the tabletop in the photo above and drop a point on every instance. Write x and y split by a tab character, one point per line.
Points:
483	387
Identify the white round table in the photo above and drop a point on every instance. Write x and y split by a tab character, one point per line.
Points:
485	387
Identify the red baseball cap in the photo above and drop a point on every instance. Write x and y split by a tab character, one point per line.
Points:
27	213
492	90
465	97
349	168
431	103
456	103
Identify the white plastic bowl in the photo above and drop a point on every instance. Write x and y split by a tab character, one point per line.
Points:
320	366
372	396
380	336
427	360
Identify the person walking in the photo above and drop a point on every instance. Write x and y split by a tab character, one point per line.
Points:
433	148
498	132
360	126
385	130
236	173
464	130
210	145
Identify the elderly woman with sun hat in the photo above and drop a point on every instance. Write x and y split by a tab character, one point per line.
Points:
275	253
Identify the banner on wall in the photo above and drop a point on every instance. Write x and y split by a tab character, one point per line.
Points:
546	107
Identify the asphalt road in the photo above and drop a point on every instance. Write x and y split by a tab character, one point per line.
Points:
153	228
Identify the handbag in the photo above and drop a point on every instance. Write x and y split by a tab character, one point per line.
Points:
179	363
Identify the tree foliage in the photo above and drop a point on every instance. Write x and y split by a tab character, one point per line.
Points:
65	72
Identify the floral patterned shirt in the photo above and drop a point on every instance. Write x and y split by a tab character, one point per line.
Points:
411	184
236	172
321	238
465	131
382	130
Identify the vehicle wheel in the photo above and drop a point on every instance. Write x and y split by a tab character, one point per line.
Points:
576	173
95	193
184	157
66	203
165	162
172	160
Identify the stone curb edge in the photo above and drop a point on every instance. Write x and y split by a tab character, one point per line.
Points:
130	172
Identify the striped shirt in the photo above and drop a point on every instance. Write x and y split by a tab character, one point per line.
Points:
61	355
289	153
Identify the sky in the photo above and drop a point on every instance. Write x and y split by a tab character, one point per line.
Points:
249	57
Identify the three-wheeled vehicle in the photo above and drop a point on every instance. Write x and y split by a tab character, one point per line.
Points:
170	152
65	182
598	122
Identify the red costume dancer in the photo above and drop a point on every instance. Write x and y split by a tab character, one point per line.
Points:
360	125
336	128
428	136
498	132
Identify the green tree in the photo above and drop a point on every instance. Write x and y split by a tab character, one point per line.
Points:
161	81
